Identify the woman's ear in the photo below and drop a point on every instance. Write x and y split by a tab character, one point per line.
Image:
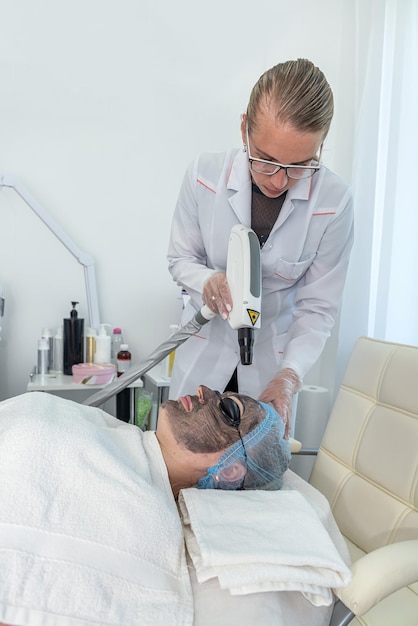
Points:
243	128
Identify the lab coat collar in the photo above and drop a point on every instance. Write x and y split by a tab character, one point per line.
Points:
239	174
239	181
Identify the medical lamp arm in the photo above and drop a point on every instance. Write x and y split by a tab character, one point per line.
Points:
378	574
82	257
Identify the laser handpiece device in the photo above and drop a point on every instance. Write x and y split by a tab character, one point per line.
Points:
243	273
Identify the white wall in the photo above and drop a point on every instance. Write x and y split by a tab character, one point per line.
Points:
103	104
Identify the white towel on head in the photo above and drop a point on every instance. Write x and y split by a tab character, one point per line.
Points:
89	529
256	541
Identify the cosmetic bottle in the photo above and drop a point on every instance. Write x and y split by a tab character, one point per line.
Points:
124	359
123	398
117	340
103	345
49	335
73	340
90	344
58	352
43	355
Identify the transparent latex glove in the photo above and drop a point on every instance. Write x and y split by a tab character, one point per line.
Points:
280	392
216	295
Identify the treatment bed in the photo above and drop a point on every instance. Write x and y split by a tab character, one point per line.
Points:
128	553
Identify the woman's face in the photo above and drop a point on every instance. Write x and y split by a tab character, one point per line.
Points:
281	143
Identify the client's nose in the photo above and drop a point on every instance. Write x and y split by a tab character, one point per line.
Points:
205	394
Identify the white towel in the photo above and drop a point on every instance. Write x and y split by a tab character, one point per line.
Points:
89	529
256	541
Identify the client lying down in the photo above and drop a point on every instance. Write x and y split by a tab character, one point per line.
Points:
90	531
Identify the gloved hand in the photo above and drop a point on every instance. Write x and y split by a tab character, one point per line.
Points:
216	294
280	392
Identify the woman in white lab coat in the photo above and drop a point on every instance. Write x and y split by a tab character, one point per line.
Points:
302	213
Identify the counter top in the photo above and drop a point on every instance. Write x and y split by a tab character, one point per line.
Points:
62	382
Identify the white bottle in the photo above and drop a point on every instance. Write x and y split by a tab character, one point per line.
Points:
43	355
58	352
103	345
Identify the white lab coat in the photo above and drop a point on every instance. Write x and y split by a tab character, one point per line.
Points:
304	265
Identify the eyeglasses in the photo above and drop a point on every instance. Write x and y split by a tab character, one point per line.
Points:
232	416
268	168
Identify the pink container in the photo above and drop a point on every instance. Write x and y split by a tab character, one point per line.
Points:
93	373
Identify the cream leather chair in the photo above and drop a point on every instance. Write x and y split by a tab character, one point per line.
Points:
367	467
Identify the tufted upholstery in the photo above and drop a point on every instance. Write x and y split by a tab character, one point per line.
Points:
367	465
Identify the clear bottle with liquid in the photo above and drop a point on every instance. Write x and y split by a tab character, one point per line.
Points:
124	359
117	341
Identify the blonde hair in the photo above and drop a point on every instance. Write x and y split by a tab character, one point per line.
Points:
297	93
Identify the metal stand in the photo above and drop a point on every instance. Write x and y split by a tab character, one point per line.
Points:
341	615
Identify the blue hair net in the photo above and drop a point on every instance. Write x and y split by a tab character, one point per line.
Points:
260	466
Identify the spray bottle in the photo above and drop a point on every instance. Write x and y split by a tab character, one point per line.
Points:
49	335
43	356
58	352
73	340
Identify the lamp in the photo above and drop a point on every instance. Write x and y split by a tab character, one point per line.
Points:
86	260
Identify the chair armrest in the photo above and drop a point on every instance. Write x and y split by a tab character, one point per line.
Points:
295	445
380	573
296	448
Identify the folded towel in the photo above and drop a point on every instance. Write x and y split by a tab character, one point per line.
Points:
256	541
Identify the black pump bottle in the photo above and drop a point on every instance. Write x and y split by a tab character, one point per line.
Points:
73	340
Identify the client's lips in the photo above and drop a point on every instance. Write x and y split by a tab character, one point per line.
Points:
186	402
